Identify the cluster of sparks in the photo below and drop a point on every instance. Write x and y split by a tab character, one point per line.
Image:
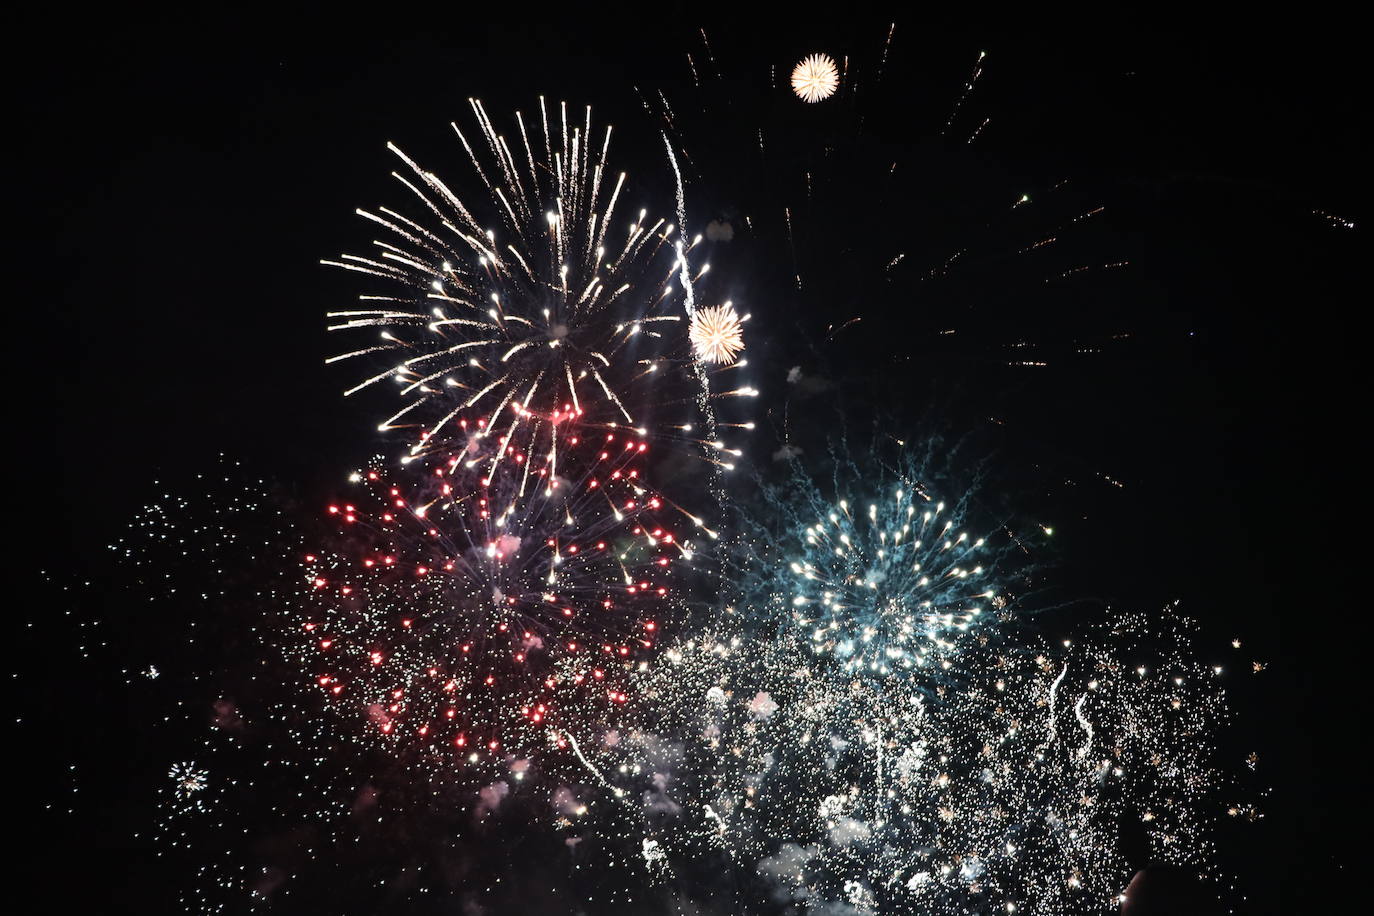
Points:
1014	792
448	613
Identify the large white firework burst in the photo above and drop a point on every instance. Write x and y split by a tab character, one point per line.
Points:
532	308
815	78
717	334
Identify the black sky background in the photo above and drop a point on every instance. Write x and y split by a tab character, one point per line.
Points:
182	178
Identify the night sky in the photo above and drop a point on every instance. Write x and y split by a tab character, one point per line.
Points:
182	178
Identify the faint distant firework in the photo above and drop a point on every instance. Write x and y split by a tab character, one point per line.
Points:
187	779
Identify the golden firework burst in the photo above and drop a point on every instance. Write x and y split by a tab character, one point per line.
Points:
816	78
717	334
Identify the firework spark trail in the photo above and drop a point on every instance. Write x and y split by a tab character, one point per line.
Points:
706	42
1084	724
1051	728
591	767
684	273
887	46
968	90
704	405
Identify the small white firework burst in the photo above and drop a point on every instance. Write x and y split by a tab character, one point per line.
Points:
655	858
187	779
717	334
815	78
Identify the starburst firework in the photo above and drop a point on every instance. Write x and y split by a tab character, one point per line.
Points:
535	307
883	576
815	78
717	334
187	779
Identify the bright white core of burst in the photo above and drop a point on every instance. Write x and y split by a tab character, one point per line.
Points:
815	78
717	334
